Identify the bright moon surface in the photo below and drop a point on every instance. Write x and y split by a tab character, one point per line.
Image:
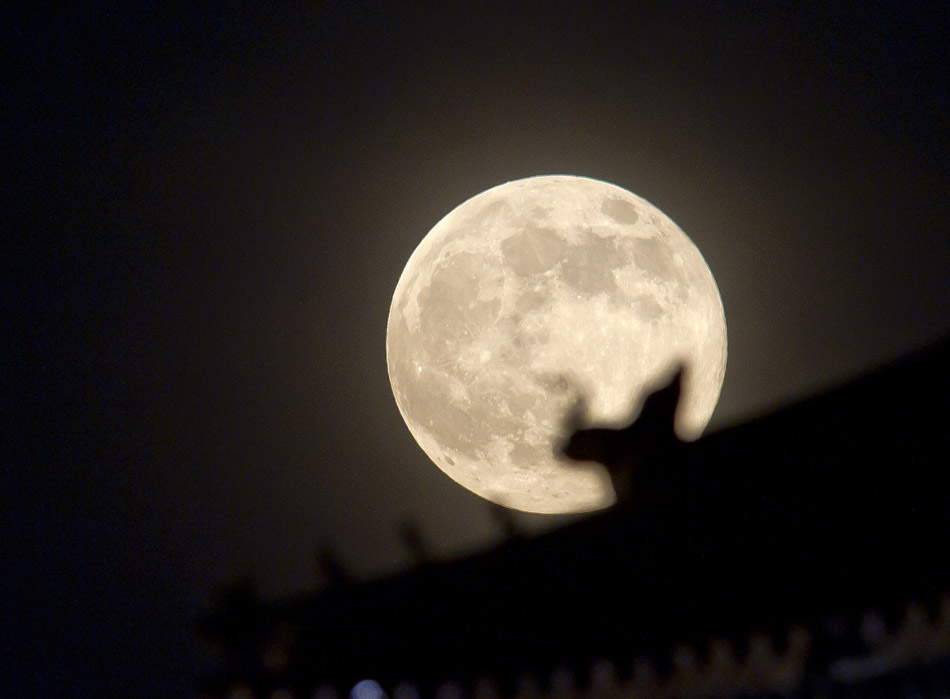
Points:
529	296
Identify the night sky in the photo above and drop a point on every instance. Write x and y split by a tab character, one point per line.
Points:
208	207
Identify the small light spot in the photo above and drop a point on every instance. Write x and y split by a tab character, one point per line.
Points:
367	689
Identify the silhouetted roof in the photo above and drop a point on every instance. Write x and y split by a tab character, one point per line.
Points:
822	510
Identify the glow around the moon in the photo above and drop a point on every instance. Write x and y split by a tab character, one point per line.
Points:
529	296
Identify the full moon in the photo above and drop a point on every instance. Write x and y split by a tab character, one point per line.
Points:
531	298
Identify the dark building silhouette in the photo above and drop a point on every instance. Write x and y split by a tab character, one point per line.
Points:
804	553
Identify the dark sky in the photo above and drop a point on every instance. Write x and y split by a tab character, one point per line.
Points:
208	208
